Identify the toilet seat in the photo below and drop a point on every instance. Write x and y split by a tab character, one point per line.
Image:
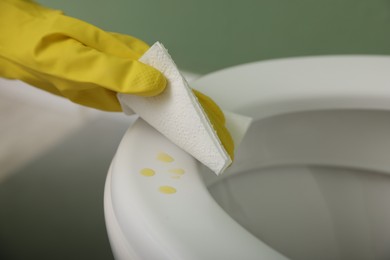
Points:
301	84
144	223
185	225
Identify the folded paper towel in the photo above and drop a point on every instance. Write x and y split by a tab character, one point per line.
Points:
177	114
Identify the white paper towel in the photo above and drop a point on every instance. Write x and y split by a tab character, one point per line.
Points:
177	114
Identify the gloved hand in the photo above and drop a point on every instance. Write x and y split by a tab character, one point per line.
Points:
71	58
76	60
217	119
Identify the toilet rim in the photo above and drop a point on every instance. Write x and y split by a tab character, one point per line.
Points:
177	224
315	83
301	84
187	224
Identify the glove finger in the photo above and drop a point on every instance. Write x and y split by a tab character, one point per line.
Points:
133	43
210	105
66	58
34	22
98	39
217	119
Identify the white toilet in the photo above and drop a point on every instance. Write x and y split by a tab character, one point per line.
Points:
310	180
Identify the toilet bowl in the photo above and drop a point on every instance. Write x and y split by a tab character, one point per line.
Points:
310	179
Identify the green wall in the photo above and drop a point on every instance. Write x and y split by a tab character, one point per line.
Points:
206	35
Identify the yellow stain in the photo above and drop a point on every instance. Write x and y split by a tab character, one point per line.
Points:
177	171
165	157
147	172
167	190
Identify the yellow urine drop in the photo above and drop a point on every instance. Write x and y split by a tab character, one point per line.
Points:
167	190
147	172
177	171
164	157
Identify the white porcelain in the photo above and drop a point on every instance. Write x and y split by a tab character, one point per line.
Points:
310	178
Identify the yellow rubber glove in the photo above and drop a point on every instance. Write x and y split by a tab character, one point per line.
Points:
71	58
217	119
76	60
